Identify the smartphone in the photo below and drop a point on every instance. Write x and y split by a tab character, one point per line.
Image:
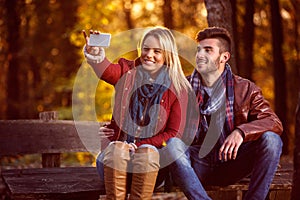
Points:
99	40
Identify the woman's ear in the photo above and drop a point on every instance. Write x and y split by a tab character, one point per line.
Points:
225	57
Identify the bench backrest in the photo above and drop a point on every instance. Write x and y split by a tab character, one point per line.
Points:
57	136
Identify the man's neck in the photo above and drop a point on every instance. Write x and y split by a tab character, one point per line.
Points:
208	80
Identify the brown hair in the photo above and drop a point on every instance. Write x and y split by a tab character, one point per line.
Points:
216	32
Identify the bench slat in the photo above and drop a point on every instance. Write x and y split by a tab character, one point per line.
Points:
58	136
53	183
84	183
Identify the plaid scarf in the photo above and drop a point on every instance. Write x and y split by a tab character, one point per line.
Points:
144	104
222	91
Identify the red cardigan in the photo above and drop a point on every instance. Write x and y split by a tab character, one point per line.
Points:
171	119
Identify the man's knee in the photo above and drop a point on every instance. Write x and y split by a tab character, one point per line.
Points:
174	142
176	146
271	142
174	150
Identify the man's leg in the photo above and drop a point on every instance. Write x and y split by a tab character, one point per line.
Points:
265	165
100	169
182	171
259	158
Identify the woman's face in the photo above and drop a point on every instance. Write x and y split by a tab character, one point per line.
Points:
152	56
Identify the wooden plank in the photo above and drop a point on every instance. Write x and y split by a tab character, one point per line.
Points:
57	136
53	183
280	195
282	180
51	160
84	183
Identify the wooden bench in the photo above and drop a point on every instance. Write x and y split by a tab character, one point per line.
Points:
280	188
51	181
50	139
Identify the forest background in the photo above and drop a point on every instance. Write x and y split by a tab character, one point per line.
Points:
41	50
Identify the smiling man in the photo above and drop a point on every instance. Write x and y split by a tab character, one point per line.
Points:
238	133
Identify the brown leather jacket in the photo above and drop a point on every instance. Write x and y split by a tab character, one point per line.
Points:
252	112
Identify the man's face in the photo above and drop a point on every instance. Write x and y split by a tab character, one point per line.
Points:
208	57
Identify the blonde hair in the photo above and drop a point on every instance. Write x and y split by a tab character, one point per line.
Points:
170	52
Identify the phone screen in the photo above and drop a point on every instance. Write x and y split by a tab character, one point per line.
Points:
99	40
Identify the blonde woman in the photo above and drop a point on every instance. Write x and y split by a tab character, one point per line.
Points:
150	108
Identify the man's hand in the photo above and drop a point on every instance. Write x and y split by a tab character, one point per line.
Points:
106	132
232	143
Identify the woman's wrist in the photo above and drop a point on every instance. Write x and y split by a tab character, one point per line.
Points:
134	145
94	58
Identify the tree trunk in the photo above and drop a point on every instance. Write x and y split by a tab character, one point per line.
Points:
127	4
13	23
296	6
247	64
219	13
279	71
235	35
168	14
296	177
3	61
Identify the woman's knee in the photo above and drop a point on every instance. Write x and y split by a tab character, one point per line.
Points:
145	159
148	146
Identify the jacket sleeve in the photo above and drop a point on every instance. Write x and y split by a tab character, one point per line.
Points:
255	116
110	72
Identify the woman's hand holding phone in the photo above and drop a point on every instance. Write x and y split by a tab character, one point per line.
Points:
95	54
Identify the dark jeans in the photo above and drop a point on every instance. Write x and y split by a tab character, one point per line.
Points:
258	158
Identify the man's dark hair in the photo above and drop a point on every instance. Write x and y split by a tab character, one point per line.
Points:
216	32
